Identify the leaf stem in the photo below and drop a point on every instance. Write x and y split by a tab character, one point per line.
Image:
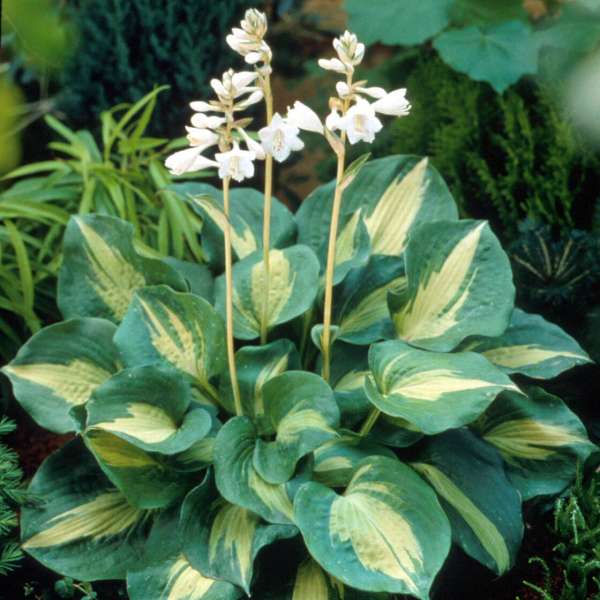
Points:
264	320
229	304
369	422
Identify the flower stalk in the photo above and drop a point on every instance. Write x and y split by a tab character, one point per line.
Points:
229	303
369	422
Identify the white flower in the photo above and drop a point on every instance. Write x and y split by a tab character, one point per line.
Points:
394	103
280	138
201	137
332	64
252	145
343	89
374	92
236	163
360	122
248	41
304	118
333	120
201	106
188	160
202	121
253	98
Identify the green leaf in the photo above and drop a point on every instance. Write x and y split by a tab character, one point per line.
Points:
531	346
360	302
393	194
336	460
301	411
197	276
221	539
174	578
459	284
433	391
411	23
484	12
147	480
256	365
395	432
101	269
387	533
499	54
181	330
84	528
483	507
60	367
237	479
540	439
246	216
293	285
149	407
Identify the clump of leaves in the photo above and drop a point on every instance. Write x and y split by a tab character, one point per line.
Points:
577	553
124	176
369	415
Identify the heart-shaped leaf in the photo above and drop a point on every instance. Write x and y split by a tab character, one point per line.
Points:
386	533
60	367
459	284
433	391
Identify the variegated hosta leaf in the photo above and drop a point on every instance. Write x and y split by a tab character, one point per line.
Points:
394	194
60	367
395	432
237	479
539	438
221	539
301	410
459	284
531	346
352	249
336	460
147	480
386	533
101	269
361	307
349	368
198	277
174	578
200	454
255	366
482	505
151	408
181	330
293	285
84	528
431	390
246	216
312	583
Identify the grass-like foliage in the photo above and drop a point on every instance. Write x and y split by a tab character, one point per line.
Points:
122	176
339	385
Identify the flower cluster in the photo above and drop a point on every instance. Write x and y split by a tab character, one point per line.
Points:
352	112
235	93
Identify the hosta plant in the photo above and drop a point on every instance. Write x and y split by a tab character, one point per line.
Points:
350	386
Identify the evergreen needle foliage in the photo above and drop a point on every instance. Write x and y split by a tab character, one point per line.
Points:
577	552
127	47
11	495
505	157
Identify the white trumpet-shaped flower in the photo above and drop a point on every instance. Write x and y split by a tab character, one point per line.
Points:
360	122
350	53
236	163
280	138
252	145
394	104
188	161
203	121
304	118
249	40
201	137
